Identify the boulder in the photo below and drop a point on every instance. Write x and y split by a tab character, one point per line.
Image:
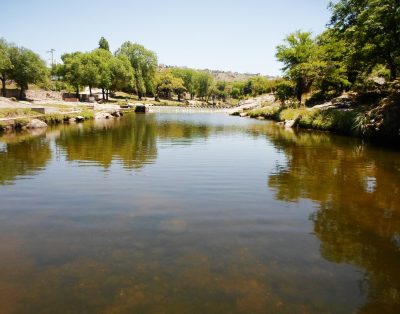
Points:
116	114
293	123
36	124
102	115
141	108
79	119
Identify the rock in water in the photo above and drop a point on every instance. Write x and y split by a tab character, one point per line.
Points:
36	124
79	119
293	123
141	109
102	115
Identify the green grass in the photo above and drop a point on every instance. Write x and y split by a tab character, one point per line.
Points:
339	121
265	112
55	118
16	112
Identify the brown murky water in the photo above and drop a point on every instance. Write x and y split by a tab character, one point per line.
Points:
197	213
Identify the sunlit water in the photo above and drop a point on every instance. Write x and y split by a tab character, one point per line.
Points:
197	213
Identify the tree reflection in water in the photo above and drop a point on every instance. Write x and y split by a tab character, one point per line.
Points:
357	188
23	155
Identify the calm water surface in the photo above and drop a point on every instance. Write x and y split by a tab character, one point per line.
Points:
197	213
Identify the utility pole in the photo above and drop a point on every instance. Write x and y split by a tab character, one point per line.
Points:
52	56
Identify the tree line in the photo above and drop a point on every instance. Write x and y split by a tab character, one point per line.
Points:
359	46
131	68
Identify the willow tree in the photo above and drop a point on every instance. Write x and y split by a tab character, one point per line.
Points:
144	63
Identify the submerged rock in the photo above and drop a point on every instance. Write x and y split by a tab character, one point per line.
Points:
102	115
116	114
36	124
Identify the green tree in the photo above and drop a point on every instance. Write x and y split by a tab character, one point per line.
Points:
122	74
166	84
144	62
204	83
331	52
72	70
90	70
28	68
371	29
103	44
5	64
189	79
298	54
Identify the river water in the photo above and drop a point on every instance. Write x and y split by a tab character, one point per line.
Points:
197	213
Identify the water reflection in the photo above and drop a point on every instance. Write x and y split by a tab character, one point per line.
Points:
197	229
23	155
131	140
358	220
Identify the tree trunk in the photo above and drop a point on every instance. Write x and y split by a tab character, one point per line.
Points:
22	94
77	92
103	92
393	71
299	89
90	90
3	86
107	94
392	67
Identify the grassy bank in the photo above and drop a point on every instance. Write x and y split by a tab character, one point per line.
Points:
334	120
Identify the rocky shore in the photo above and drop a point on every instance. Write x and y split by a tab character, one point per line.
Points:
349	114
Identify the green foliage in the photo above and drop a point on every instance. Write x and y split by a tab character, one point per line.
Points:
103	44
166	84
5	63
27	68
371	30
204	82
189	79
284	91
144	63
298	55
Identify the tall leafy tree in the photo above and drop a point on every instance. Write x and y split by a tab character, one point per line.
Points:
72	70
189	79
5	64
122	74
166	84
90	70
28	68
144	62
298	55
371	28
204	83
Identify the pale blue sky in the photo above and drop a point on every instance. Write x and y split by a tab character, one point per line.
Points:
237	35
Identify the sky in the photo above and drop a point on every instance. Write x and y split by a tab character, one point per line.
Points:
229	35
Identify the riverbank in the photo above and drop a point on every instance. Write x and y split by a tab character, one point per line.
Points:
350	115
25	115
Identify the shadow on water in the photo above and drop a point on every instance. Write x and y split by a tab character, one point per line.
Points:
357	188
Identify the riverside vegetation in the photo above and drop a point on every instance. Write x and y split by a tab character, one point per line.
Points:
357	55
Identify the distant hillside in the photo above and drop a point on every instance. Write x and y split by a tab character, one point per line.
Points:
227	76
